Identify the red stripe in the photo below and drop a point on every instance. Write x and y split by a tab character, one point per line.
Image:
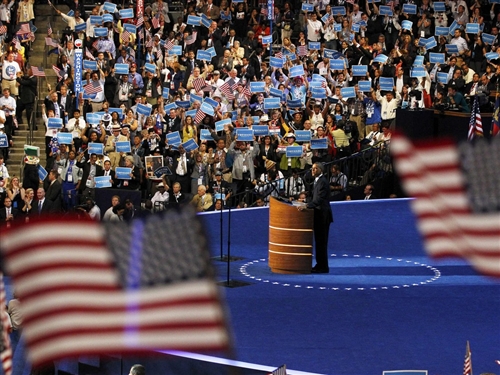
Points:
433	215
81	287
463	232
33	248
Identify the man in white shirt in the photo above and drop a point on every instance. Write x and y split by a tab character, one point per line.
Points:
389	104
160	199
10	69
314	28
99	97
460	42
76	126
8	106
4	175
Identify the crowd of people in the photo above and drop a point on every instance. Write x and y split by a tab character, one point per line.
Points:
316	82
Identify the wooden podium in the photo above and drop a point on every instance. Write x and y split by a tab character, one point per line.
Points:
290	238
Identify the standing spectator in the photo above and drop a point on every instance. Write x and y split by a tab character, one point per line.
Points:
27	94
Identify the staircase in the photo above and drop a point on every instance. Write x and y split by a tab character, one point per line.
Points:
37	57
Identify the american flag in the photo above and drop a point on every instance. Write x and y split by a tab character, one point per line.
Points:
458	200
57	71
49	30
280	370
302	50
279	55
468	360
200	115
149	43
199	83
475	123
24	29
125	36
50	42
88	54
16	43
227	88
92	87
158	53
191	38
140	20
246	91
168	45
155	21
38	72
495	124
3	29
6	353
111	292
95	43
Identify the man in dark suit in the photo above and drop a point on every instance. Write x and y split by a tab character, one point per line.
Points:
322	217
27	94
368	192
8	213
54	191
182	168
42	205
90	171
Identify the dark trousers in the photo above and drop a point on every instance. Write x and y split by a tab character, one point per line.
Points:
19	111
321	232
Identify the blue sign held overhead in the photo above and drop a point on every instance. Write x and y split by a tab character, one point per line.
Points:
244	134
359	70
123	146
123	173
410	9
319	144
294	151
260	130
95	148
303	135
348	92
174	138
364	86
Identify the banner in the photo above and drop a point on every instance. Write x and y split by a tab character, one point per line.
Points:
293	151
319	144
77	66
244	134
303	135
123	146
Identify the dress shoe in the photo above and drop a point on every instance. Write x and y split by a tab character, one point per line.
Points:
320	270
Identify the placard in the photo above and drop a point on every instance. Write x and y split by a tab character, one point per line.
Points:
190	145
109	7
307	7
123	146
318	93
107	18
294	151
419	60
276	62
338	10
193	20
442	78
90	64
80	27
203	55
143	109
437	58
331	53
101	31
151	68
272	103
359	70
296	71
214	103
347	92
451	48
409	9
42	173
95	20
276	92
205	135
4	141
174	138
102	182
454	25
123	173
260	130
267	39
417	72
256	87
219	125
95	148
364	86
165	93
491	56
65	138
207	109
472	28
131	28
175	50
385	10
314	46
319	144
54	123
380	58
303	135
337	64
407	25
439	7
386	83
294	103
430	43
355	27
191	113
244	134
205	21
488	38
126	13
170	106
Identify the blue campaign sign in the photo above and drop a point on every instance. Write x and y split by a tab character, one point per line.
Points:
203	55
195	98
276	92
437	58
257	87
347	92
364	86
256	120
472	28
211	51
268	39
190	145
355	27
318	77
159	172
151	68
4	141
191	113
174	138
169	106
380	58
42	173
442	78
93	118
294	103
123	173
419	60
407	25
95	148
337	64
488	38
95	20
90	64
385	10
126	13
451	48
338	10
410	9
107	18
260	130
319	144
131	28
205	135
314	46
123	146
272	103
214	103
303	135
276	62
193	20
293	151
143	109
296	71
65	138
101	31
102	182
307	7
430	43
175	51
439	6
454	25
207	109
386	83
244	134
205	21
80	27
417	71
165	92
359	70
314	83
318	93
54	123
491	56
326	17
219	125
337	27
109	7
441	31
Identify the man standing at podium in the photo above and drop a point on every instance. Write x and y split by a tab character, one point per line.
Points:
322	217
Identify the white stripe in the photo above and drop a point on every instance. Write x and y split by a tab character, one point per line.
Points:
284	253
427	182
288	245
291	229
437	204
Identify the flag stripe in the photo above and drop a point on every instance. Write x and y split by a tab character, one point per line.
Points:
6	354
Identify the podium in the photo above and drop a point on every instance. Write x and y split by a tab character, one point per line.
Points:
290	238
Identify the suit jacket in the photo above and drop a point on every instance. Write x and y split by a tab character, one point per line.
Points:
27	89
320	202
50	105
3	214
68	107
214	11
54	194
204	204
86	171
47	207
189	163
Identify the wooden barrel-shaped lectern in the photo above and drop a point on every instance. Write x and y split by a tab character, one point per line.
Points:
290	238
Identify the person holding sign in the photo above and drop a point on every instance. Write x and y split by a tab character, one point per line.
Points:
243	166
319	202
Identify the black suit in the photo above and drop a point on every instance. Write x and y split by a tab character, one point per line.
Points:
54	194
27	94
68	107
3	214
50	105
322	219
47	207
86	172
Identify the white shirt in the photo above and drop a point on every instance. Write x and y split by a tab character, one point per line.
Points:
314	30
72	128
9	102
10	70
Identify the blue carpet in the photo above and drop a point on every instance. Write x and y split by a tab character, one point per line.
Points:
384	306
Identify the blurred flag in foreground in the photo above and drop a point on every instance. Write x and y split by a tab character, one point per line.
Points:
468	360
457	197
114	288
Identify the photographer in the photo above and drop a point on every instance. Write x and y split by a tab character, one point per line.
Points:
338	183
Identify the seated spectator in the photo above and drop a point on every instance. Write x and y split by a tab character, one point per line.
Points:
202	201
